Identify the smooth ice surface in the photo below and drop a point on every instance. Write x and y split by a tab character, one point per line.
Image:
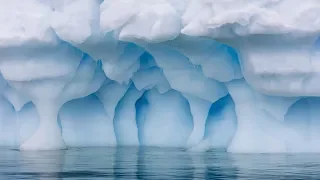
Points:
82	126
165	124
242	75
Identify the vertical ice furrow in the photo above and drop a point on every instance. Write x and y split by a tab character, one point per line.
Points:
142	108
125	125
110	94
221	123
199	110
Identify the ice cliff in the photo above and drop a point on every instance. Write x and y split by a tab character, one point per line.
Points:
236	74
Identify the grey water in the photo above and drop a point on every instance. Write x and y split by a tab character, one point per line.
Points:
154	163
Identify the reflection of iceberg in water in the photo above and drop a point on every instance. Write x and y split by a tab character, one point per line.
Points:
164	163
90	163
219	165
126	163
154	163
276	166
41	165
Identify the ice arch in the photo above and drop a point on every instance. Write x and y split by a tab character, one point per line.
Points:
164	119
49	95
302	119
83	126
220	126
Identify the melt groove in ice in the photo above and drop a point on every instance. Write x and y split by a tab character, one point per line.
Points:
242	75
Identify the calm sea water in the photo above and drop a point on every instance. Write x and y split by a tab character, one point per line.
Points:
154	163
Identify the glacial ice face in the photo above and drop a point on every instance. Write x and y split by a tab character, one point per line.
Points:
241	75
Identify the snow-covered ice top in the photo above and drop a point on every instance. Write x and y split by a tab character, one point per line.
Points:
153	20
232	18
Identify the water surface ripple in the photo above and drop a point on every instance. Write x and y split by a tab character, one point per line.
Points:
154	163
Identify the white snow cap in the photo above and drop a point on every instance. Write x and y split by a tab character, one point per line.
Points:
229	18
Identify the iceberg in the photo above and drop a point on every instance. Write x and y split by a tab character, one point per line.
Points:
242	75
